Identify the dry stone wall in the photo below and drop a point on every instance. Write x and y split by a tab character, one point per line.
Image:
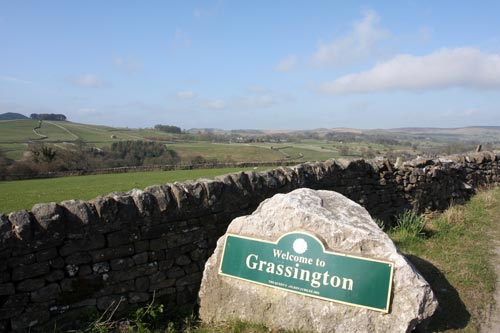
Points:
59	261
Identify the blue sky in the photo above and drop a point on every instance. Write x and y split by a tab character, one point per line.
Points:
253	64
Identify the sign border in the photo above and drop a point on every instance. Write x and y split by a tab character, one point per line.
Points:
308	233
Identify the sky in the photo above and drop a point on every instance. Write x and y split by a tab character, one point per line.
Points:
253	64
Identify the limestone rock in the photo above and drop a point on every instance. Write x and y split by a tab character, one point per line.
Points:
345	227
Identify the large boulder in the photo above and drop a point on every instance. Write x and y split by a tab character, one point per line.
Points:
344	227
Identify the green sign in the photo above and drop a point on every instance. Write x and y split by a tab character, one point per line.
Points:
298	262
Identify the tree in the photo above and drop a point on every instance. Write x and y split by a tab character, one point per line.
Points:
168	129
48	116
42	153
344	150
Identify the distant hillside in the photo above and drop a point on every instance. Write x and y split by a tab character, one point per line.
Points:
12	116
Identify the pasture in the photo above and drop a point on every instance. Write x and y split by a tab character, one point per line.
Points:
23	194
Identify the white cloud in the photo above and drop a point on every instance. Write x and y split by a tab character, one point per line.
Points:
287	64
360	43
200	12
256	99
215	105
460	67
471	112
185	95
14	79
87	81
129	64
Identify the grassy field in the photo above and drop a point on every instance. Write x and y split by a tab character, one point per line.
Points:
222	152
23	194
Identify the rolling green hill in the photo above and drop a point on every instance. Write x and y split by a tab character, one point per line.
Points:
16	134
254	145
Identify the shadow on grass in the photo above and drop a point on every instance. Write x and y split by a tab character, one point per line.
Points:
451	313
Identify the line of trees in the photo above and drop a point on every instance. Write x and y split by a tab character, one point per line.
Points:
168	129
48	116
44	158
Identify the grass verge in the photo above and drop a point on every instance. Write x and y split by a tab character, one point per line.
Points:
454	254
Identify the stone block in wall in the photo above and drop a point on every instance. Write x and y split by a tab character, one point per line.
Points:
191	279
57	263
46	255
29	271
134	272
187	296
166	294
165	264
23	224
54	276
92	241
142	283
138	297
256	182
5	230
192	267
140	258
157	255
17	301
141	246
78	214
7	289
114	210
163	197
50	218
22	260
78	258
184	238
122	263
160	280
175	273
46	293
112	253
112	302
30	318
156	231
85	270
177	251
121	237
213	190
145	202
117	288
182	260
158	244
30	284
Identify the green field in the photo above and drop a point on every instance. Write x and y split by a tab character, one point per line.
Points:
23	194
226	152
21	132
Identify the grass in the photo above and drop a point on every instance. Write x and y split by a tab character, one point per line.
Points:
14	151
17	133
454	254
23	194
221	152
